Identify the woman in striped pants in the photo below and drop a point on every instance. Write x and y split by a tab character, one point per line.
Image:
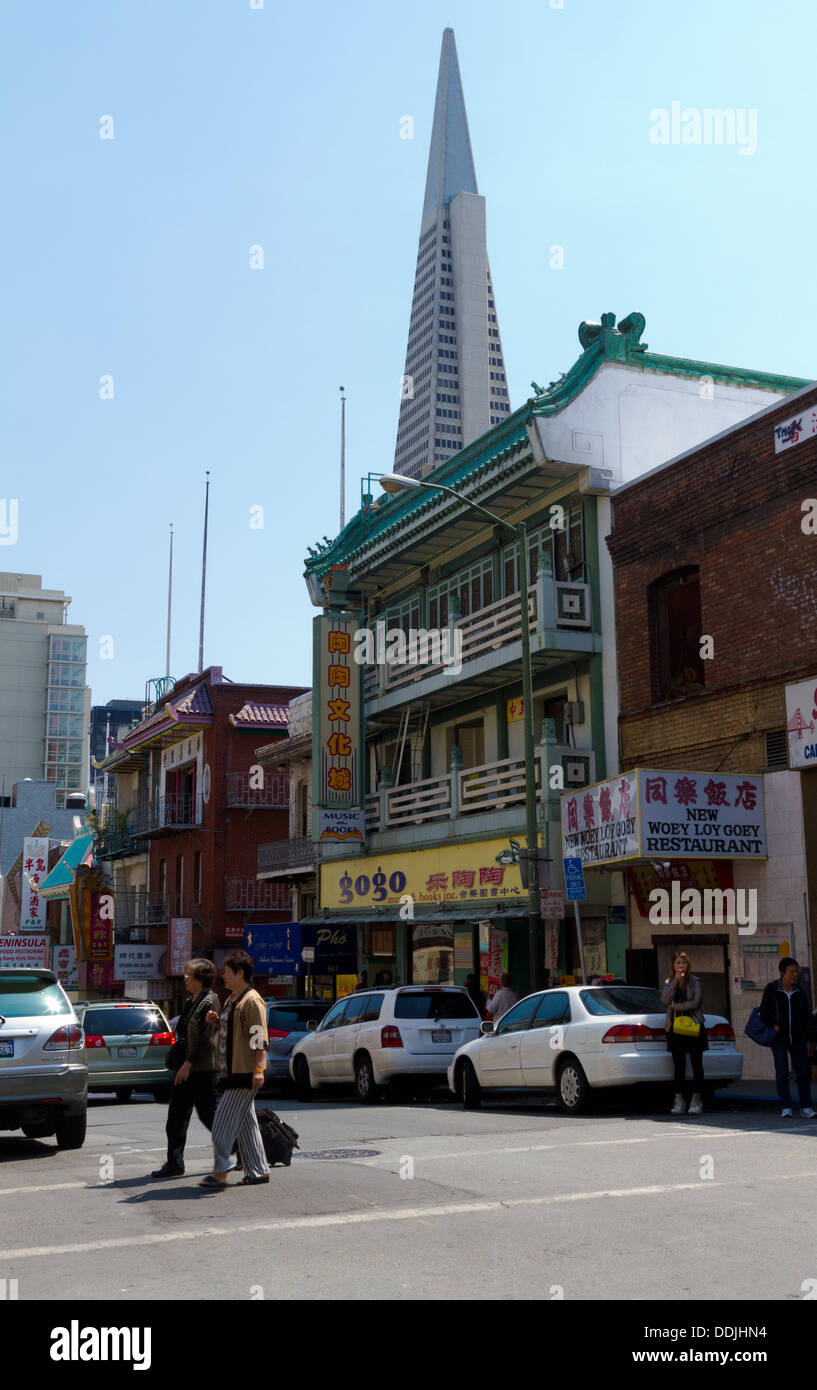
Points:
242	1047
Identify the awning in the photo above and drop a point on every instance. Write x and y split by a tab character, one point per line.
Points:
56	884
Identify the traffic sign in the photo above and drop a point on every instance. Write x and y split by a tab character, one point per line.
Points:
574	880
308	954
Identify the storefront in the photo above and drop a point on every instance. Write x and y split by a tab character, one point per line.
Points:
280	969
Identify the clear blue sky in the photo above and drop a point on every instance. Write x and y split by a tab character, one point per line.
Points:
281	127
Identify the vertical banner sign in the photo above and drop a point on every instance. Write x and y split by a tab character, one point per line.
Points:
35	867
180	944
337	695
100	927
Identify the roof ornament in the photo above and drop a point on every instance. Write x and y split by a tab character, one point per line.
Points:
614	341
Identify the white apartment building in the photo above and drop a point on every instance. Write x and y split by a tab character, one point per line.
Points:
44	701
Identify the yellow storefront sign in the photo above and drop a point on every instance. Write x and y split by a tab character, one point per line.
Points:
479	872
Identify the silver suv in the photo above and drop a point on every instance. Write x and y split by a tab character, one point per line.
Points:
43	1075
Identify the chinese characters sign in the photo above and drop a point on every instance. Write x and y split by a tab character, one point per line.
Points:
35	868
793	431
180	944
337	714
483	870
64	965
137	962
659	814
29	952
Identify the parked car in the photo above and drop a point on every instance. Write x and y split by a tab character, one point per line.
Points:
43	1073
287	1021
579	1039
126	1043
375	1038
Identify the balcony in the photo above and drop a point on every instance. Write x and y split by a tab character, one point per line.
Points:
166	814
273	795
117	844
136	907
488	643
463	794
248	895
297	856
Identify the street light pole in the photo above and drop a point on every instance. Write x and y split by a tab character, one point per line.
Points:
396	482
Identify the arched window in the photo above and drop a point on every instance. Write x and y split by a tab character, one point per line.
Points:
675	625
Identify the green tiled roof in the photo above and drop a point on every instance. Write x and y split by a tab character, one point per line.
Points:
601	342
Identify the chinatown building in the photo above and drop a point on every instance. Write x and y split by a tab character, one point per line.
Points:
714	559
180	840
418	751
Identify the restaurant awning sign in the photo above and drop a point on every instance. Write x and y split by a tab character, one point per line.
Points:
659	814
801	723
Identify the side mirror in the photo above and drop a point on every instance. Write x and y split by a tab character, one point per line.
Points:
311	1025
486	1029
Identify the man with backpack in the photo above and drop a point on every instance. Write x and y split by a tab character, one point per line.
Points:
785	1008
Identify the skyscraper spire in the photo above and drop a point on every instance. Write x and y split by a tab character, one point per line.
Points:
454	386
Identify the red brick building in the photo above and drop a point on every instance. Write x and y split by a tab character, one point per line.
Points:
715	570
192	806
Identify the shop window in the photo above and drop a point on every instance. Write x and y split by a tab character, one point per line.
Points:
675	622
382	941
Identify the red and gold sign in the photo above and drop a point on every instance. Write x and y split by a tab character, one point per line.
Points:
336	713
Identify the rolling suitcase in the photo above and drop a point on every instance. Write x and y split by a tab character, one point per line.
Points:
278	1138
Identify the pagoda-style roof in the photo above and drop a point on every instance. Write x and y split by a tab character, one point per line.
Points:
254	717
504	463
187	713
285	749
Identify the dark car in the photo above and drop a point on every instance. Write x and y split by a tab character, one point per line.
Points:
287	1021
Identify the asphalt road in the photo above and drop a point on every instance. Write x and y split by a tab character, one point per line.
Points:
513	1201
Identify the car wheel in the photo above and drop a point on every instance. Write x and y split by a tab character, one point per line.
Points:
303	1085
123	1093
470	1089
71	1131
367	1091
162	1094
574	1092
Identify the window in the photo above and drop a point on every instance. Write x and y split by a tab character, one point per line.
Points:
474	587
197	876
405	615
123	1020
566	550
334	1016
434	1004
355	1007
372	1006
554	1008
519	1017
163	877
30	996
623	999
675	624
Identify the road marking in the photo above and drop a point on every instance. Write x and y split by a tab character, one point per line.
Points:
46	1187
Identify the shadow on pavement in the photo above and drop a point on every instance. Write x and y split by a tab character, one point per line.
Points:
14	1149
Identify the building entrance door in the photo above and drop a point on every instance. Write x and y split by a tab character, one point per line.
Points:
710	962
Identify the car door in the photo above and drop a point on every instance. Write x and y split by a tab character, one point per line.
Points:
499	1052
321	1045
543	1042
346	1031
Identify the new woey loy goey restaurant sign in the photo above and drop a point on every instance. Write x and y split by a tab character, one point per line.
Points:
656	814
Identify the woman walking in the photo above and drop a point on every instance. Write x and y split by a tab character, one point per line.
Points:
242	1046
686	1031
195	1084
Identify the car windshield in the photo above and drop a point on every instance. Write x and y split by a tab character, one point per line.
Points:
294	1017
434	1003
622	999
24	996
125	1019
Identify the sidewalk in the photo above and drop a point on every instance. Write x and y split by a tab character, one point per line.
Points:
755	1091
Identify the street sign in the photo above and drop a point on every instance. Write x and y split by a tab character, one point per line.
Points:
553	904
308	954
574	880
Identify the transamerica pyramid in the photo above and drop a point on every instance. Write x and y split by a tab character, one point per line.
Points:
454	386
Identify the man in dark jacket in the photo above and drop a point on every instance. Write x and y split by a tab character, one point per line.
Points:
785	1008
194	1086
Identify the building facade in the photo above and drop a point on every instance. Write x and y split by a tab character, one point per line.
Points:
715	561
454	386
44	700
435	887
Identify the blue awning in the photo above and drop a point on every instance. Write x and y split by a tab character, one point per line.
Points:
56	884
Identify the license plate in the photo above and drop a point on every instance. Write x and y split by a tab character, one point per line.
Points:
442	1035
6	1049
127	1052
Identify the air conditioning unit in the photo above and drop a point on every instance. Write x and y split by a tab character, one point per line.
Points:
573	604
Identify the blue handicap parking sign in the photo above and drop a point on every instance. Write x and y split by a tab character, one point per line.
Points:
574	880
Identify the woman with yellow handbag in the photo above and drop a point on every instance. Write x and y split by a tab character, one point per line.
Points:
686	1031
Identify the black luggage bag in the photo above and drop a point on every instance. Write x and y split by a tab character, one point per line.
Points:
278	1138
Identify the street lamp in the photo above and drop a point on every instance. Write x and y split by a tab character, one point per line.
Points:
397	482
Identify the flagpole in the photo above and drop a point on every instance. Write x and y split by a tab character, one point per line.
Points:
342	458
204	572
169	598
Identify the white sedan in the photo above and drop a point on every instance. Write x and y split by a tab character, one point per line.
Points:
582	1038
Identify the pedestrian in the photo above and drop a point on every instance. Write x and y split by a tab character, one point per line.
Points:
242	1046
785	1008
503	1000
683	995
474	991
362	980
194	1087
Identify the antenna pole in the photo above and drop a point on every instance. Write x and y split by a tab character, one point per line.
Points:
204	572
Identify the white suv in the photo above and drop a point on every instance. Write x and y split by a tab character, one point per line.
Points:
375	1037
